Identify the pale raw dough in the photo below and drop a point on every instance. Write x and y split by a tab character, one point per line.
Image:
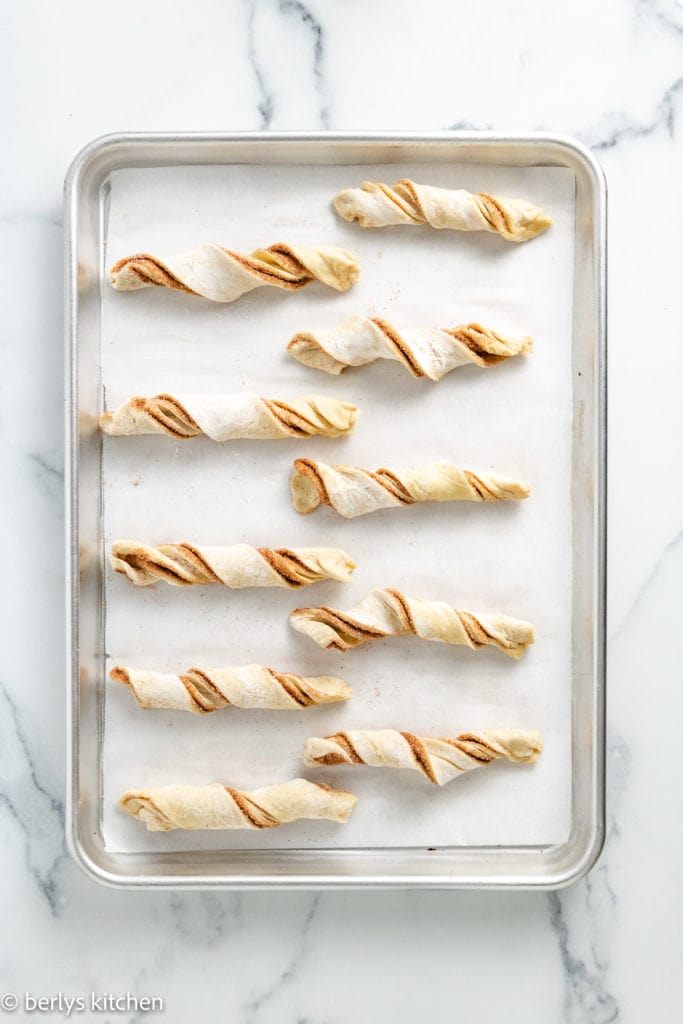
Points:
352	491
223	275
439	760
244	416
237	566
217	806
375	205
429	352
203	690
386	613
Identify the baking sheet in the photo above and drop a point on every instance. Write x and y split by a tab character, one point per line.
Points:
515	419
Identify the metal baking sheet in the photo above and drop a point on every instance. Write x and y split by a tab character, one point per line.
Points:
551	850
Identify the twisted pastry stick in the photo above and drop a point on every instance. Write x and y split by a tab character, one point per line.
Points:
217	806
238	566
223	275
203	690
390	613
439	760
229	417
352	491
424	351
375	205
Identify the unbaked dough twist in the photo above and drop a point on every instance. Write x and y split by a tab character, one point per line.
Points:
375	205
352	491
217	806
439	760
231	417
237	566
203	690
430	352
386	613
223	275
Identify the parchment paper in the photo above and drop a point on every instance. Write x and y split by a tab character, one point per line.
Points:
515	418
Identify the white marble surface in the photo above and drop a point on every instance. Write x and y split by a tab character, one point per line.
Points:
608	948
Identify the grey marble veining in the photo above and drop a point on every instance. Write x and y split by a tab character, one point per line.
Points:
670	549
37	815
609	74
586	996
613	126
617	125
266	100
584	918
668	13
264	18
303	15
288	976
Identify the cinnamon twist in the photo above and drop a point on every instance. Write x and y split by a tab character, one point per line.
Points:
386	613
439	760
238	566
352	491
375	205
430	352
231	417
223	275
217	806
203	690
